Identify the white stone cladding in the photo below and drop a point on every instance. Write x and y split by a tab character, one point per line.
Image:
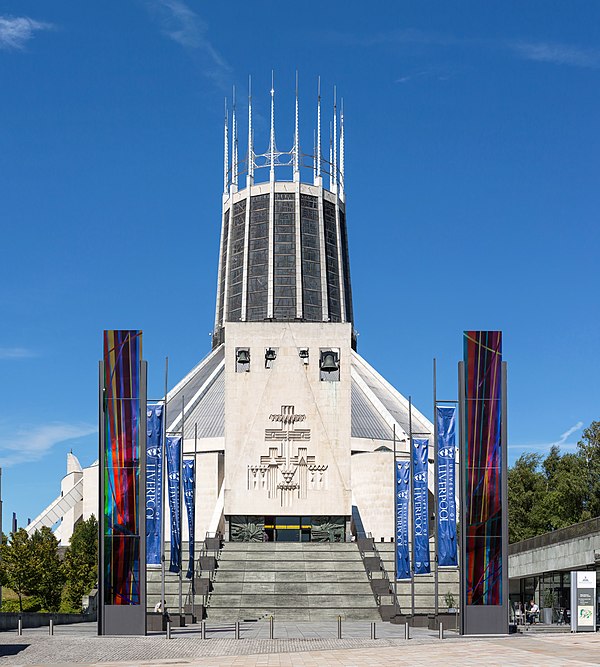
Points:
252	397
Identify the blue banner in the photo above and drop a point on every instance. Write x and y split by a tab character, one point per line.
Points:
446	483
173	454
154	488
420	506
402	499
189	488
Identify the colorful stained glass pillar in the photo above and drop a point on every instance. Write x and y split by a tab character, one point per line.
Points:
122	470
483	485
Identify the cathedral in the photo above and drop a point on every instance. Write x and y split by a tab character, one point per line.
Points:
293	432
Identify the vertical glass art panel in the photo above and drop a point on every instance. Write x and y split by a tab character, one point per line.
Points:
122	418
483	466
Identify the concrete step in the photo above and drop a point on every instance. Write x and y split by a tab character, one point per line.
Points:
329	614
308	581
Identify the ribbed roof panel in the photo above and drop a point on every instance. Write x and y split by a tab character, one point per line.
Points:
367	422
209	411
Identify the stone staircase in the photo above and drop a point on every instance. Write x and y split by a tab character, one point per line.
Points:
448	580
308	581
378	559
171	581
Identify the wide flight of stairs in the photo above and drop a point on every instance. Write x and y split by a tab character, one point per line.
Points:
292	581
171	581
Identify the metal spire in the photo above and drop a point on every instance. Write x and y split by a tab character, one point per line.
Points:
318	151
334	138
315	154
331	178
272	142
250	176
342	147
296	139
234	139
226	151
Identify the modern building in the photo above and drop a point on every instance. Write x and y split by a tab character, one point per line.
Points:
544	563
293	431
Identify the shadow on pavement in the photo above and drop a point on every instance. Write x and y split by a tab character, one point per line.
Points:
12	649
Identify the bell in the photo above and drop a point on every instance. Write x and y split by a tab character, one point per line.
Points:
329	362
270	354
243	357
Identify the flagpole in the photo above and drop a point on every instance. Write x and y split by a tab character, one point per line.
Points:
412	508
181	509
436	500
162	492
394	487
194	505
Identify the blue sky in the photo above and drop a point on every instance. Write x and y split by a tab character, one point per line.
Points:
472	153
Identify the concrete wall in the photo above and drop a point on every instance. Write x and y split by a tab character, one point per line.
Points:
372	490
90	492
251	484
545	554
10	620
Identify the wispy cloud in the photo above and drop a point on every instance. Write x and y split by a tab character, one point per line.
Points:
32	444
181	24
16	353
558	54
555	53
16	31
409	36
436	74
561	442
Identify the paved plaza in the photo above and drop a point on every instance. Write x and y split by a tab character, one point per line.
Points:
303	644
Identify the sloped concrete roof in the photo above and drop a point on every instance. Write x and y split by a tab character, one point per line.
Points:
376	405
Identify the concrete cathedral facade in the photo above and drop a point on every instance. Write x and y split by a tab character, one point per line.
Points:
292	430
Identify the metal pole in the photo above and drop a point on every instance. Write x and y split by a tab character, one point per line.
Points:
395	524
101	516
271	627
436	500
203	630
51	627
339	627
406	630
20	626
181	500
164	496
461	494
441	630
169	629
373	631
412	523
237	629
0	525
194	501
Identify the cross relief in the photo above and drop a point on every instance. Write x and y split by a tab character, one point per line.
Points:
287	470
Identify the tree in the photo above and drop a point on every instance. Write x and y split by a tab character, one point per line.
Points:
557	491
525	493
16	564
588	449
81	563
48	571
564	502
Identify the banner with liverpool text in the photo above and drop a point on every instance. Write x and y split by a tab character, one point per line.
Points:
189	489
154	493
446	484
173	454
402	500
421	562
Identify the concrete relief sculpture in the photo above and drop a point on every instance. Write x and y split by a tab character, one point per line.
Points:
288	470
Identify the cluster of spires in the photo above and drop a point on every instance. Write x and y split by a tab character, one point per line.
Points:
292	158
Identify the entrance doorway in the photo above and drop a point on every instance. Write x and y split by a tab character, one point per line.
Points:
288	528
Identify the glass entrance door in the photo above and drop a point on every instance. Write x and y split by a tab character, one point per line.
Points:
287	528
